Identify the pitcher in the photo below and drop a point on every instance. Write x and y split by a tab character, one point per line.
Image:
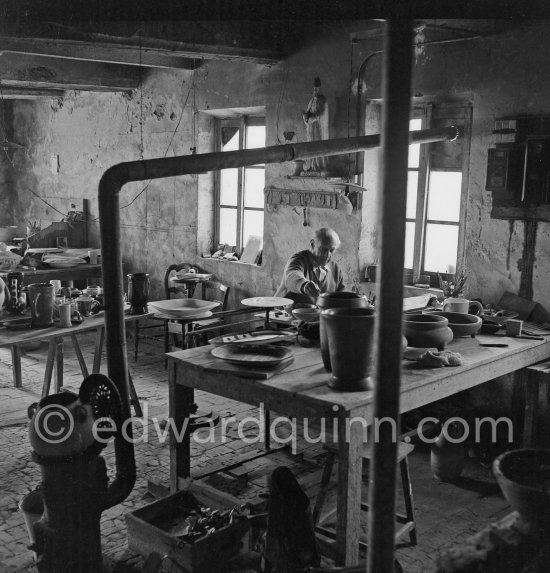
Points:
41	304
17	301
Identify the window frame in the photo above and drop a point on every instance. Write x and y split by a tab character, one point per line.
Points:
462	114
242	122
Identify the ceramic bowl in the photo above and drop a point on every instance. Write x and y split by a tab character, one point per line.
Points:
489	326
426	330
306	314
524	478
463	324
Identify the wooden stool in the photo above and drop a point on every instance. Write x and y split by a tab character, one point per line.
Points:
538	376
407	520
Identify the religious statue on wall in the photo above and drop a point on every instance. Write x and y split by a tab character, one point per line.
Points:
316	119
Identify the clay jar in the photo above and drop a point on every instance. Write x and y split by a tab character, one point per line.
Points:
350	336
447	453
341	299
427	330
41	304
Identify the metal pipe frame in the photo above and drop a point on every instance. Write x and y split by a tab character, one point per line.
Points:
392	206
110	187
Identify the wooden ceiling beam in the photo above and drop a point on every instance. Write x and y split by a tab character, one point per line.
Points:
52	73
30	93
179	55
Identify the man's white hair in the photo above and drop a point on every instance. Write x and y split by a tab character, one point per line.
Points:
325	234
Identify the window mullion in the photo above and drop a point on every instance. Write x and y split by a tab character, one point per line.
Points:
240	186
422	201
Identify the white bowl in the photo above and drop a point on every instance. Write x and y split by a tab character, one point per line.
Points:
183	307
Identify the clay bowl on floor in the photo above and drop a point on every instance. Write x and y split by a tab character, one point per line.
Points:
463	324
426	330
524	478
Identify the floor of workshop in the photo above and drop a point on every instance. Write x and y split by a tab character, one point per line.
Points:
446	514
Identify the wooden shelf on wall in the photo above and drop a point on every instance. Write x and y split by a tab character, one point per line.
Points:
314	192
539	213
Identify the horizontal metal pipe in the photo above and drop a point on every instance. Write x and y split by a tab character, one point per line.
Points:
110	186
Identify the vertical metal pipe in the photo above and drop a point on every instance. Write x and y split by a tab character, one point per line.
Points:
391	217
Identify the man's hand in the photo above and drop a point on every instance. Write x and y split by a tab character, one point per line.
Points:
312	291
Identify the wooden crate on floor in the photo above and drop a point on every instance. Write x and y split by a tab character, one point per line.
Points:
206	554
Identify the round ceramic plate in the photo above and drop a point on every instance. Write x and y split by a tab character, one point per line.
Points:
257	337
267	301
189	316
252	354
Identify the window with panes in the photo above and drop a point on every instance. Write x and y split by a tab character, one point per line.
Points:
436	191
240	191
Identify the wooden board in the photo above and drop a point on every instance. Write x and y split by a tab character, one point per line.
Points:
522	306
257	372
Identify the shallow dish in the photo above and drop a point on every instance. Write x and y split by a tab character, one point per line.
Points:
501	316
306	314
463	324
63	262
252	354
183	307
489	326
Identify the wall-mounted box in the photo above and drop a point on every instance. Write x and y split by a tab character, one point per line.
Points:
498	169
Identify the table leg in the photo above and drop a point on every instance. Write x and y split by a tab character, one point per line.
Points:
531	409
16	365
134	398
80	357
59	365
99	337
180	401
348	522
52	350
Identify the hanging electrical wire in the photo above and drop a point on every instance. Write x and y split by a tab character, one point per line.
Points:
279	103
146	186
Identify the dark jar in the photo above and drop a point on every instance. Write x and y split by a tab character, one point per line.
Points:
341	299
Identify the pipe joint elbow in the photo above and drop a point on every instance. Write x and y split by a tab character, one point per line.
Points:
113	179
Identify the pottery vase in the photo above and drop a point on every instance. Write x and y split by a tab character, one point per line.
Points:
341	299
447	456
41	304
138	292
350	336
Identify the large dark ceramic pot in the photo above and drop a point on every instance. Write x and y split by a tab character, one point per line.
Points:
341	299
524	478
350	336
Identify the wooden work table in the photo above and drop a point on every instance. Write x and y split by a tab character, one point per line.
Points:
54	336
301	390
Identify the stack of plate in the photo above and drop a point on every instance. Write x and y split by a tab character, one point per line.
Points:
60	262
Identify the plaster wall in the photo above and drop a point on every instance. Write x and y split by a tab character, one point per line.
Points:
171	220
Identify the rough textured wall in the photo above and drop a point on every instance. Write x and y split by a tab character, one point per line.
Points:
505	75
172	219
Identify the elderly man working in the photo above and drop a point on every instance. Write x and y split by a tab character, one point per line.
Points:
311	272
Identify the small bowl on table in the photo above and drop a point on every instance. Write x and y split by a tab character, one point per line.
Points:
463	324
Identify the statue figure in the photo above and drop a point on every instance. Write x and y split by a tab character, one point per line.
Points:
316	119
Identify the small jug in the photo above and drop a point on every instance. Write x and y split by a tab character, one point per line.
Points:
462	305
